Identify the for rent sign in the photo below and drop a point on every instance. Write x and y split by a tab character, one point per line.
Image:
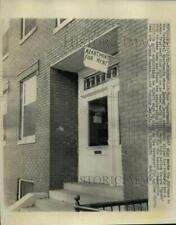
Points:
96	60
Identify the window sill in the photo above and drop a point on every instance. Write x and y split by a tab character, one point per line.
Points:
27	140
60	26
27	35
5	56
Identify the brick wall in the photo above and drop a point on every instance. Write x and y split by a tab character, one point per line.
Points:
29	161
78	33
32	161
63	128
133	106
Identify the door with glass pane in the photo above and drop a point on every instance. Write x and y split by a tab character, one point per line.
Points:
99	142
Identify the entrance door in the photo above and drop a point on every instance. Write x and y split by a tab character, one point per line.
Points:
99	139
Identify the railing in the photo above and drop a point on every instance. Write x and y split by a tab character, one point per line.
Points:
126	205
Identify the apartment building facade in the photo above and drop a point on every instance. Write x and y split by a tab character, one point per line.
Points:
65	122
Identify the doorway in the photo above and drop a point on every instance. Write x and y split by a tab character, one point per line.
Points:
99	133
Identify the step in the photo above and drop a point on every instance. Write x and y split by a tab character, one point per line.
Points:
114	192
30	209
27	201
53	205
67	196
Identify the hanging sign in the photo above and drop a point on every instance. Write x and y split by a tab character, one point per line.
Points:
96	60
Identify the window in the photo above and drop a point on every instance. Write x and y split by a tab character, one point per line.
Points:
28	26
28	108
98	122
58	21
6	43
100	78
24	187
61	22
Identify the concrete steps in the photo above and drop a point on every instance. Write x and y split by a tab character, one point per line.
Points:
68	197
115	193
30	209
53	205
63	199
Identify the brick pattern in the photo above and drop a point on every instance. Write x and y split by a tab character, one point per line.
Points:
33	161
29	161
63	128
133	106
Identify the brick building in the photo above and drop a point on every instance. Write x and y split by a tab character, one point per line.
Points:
68	123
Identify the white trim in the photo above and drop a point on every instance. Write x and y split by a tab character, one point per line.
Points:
110	154
19	186
27	140
31	138
61	25
99	88
22	110
84	99
25	37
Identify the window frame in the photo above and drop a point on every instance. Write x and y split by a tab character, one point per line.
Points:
23	36
95	93
31	138
20	183
89	130
105	89
61	25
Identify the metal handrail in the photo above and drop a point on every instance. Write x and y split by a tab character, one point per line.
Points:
103	205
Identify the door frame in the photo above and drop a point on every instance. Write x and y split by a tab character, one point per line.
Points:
113	150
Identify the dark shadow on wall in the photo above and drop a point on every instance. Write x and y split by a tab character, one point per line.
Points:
63	128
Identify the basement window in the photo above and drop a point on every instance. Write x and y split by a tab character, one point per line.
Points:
28	109
24	187
98	122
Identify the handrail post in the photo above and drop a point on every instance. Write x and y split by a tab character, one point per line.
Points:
77	203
